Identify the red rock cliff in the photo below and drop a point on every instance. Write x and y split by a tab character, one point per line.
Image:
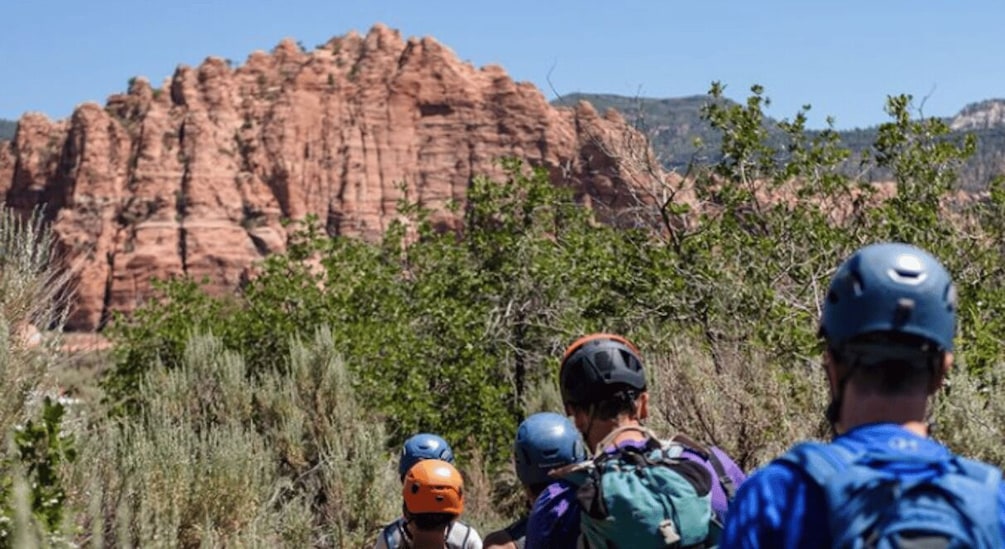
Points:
194	177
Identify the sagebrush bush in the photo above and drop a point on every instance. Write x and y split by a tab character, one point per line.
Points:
33	289
220	454
737	400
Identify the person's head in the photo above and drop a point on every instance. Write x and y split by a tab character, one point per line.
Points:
888	322
433	494
423	446
603	384
545	441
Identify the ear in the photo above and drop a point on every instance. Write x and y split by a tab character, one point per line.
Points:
940	376
642	407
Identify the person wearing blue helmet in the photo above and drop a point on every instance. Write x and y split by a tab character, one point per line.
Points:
423	446
401	533
888	323
544	441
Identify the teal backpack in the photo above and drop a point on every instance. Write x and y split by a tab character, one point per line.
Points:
647	497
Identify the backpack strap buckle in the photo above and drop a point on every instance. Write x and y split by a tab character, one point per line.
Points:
669	532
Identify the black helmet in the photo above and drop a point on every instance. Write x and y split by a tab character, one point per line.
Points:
597	366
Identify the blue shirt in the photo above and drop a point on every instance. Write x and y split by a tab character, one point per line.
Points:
781	507
554	519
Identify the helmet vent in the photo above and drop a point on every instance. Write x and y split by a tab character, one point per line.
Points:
908	269
858	286
604	364
951	297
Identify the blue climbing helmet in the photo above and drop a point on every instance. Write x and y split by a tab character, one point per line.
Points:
545	441
894	288
423	446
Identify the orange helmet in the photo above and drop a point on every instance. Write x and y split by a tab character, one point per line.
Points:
433	486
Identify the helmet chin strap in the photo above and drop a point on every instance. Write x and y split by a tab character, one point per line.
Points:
833	412
589	425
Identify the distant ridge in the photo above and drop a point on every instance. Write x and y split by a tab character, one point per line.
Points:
7	129
673	124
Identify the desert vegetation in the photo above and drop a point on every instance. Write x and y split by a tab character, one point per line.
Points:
272	416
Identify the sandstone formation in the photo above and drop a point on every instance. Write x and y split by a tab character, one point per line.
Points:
194	177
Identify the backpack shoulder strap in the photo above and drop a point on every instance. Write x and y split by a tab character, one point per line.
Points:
986	474
726	481
576	474
819	461
985	505
393	535
458	535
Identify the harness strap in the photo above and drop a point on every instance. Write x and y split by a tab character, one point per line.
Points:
609	439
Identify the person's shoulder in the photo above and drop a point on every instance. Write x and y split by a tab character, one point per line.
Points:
778	477
463	536
775	489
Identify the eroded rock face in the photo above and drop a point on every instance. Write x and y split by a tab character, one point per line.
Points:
194	177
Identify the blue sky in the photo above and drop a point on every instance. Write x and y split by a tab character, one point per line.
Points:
843	57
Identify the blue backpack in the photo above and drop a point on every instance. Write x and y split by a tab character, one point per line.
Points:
647	497
956	506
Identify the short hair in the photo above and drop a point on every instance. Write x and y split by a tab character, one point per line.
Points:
889	363
622	401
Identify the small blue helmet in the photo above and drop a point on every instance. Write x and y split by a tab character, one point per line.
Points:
890	287
423	446
545	441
